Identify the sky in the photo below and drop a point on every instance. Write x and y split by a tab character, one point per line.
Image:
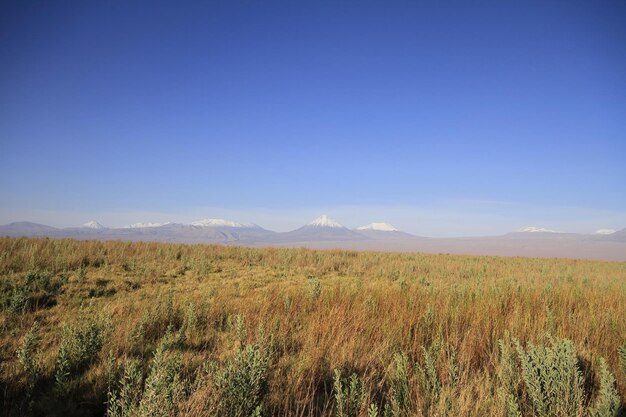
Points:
443	118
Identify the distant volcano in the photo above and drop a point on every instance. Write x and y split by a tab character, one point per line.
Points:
322	228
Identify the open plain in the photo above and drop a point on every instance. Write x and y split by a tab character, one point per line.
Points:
143	329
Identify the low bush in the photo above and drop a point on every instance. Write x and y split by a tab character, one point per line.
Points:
548	381
241	385
350	397
80	345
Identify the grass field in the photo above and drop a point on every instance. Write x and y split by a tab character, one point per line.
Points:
147	329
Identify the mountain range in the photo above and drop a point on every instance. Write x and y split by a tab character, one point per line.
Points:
325	233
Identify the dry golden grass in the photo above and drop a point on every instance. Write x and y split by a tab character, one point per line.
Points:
371	307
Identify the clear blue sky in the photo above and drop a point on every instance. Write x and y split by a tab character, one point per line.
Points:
243	107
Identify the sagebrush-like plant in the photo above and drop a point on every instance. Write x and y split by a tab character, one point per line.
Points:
453	368
511	406
240	329
349	395
63	367
552	377
552	382
242	384
163	387
80	345
124	401
508	377
607	401
400	390
315	287
622	358
26	357
507	369
430	382
112	371
18	301
161	393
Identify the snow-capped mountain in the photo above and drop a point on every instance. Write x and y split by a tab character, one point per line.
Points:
533	229
142	225
324	221
604	232
220	223
92	225
615	236
384	231
177	232
322	228
381	227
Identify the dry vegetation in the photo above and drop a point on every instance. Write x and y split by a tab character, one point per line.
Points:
145	329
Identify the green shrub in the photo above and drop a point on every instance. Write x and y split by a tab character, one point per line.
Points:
112	371
400	390
315	287
164	388
80	345
124	401
622	358
161	394
453	368
349	395
37	289
511	406
240	329
552	383
607	401
508	377
26	357
552	378
372	411
242	383
18	301
507	370
429	380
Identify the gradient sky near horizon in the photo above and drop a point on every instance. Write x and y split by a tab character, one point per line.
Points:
444	118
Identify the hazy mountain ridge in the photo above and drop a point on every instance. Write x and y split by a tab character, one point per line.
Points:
324	232
388	235
25	229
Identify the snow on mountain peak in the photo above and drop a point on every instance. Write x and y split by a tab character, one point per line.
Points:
604	232
383	227
219	222
93	225
324	221
533	229
140	225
